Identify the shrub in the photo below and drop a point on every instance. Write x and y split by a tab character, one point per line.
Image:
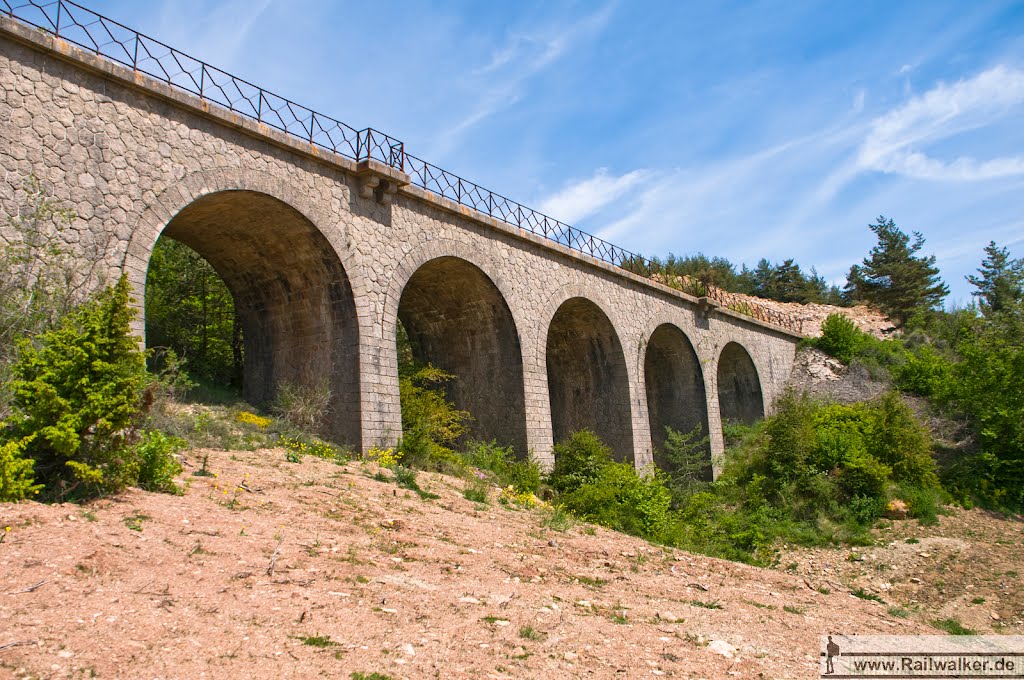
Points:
987	389
477	488
304	406
16	476
817	473
840	337
686	461
523	475
158	465
600	490
430	423
896	438
78	393
926	372
578	461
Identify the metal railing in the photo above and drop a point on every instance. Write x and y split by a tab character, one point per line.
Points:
107	38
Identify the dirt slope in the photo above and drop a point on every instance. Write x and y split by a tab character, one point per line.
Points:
235	579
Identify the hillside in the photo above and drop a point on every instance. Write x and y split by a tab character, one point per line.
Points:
277	569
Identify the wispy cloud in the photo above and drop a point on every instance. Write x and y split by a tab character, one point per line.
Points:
580	200
221	34
897	140
500	82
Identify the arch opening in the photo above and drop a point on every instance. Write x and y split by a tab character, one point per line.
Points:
739	386
588	384
675	392
293	302
457	320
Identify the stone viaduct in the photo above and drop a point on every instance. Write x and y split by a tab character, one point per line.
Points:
325	251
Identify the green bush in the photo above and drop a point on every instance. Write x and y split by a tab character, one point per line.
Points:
158	465
523	475
686	461
597	489
896	438
77	393
926	372
620	499
16	475
430	423
578	461
840	337
819	473
986	387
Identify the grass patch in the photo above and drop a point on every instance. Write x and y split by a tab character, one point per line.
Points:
559	520
952	626
899	612
531	633
713	604
865	595
357	675
591	582
317	640
799	611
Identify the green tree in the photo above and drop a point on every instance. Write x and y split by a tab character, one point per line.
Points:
77	392
894	278
988	386
1000	280
189	309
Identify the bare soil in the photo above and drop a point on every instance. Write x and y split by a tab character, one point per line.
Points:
282	570
966	567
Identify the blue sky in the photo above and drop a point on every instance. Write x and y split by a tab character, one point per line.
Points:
745	130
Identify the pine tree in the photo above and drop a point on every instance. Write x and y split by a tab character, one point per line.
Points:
1001	281
893	278
77	393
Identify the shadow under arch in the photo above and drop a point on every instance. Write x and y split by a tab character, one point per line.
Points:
588	383
292	298
739	386
458	320
675	390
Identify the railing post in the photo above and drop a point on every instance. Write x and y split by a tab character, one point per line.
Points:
259	107
135	57
202	79
312	123
56	26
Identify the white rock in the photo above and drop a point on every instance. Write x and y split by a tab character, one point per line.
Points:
722	647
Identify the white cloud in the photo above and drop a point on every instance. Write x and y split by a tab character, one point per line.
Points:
895	141
499	83
219	36
585	198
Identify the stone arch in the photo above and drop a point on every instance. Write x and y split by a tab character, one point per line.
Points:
293	294
740	397
588	377
675	388
458	319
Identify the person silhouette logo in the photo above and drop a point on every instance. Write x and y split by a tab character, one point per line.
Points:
831	650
